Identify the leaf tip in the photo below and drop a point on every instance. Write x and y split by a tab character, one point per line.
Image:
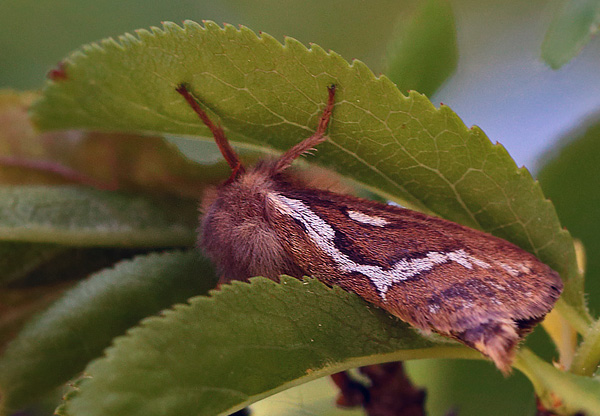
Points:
166	27
362	69
107	45
129	39
190	25
209	25
248	33
228	26
293	44
58	73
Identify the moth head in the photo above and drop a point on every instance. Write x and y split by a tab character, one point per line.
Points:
236	211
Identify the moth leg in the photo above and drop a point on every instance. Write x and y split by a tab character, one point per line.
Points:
391	392
307	144
217	131
223	280
388	391
352	393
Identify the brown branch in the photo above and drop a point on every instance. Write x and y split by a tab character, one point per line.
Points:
390	392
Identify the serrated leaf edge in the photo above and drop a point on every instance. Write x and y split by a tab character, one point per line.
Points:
446	348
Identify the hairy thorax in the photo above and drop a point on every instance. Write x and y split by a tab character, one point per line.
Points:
235	229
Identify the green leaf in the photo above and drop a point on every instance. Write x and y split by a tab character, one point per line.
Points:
313	398
58	343
19	304
32	275
271	95
567	176
359	30
474	388
103	160
572	27
88	217
471	388
17	259
244	343
36	264
562	392
423	52
587	358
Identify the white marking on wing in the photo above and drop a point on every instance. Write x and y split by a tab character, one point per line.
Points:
515	271
367	219
510	270
322	234
434	308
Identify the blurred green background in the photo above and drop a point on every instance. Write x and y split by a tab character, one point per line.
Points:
547	119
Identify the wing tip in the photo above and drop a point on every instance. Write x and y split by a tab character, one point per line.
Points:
497	340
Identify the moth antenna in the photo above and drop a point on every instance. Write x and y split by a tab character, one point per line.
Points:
217	131
307	144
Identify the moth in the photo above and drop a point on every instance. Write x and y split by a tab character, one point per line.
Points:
436	275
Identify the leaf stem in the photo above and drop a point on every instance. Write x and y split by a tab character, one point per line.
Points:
587	356
563	335
559	391
579	320
454	351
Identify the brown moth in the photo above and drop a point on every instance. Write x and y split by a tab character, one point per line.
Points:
432	273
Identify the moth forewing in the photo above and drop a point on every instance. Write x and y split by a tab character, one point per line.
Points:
434	274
